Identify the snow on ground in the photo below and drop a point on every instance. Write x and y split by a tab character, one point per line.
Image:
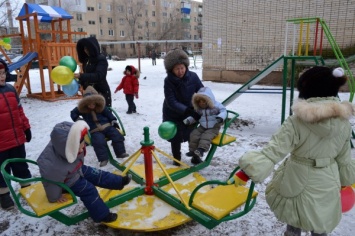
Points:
260	115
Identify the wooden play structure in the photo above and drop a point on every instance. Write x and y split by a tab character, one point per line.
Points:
44	44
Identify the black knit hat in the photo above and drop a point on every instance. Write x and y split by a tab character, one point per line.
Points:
175	57
320	81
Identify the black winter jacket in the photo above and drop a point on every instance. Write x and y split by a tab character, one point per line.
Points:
95	67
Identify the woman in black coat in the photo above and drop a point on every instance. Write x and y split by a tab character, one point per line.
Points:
179	87
94	67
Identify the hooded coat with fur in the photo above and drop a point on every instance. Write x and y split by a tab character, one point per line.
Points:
208	115
100	116
60	160
94	67
305	189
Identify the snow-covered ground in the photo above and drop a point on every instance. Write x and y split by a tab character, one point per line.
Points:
260	116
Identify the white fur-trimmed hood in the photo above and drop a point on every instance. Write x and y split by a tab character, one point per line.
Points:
73	140
317	109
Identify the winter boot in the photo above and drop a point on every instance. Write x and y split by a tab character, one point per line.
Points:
190	154
292	231
110	218
175	163
199	152
315	234
126	179
6	201
103	163
196	159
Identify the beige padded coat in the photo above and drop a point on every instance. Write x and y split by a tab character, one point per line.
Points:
305	189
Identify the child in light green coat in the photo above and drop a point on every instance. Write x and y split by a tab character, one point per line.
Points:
305	190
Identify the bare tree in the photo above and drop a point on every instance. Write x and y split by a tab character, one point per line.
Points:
134	10
8	13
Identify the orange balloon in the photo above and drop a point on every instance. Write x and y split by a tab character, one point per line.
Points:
62	75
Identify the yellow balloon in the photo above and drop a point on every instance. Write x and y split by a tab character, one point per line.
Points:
2	43
62	75
7	46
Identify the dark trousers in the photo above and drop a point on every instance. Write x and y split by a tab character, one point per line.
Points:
86	190
99	142
18	169
130	102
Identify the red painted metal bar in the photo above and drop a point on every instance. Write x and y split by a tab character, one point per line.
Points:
148	167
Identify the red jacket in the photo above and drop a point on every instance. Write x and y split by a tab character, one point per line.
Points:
12	118
129	83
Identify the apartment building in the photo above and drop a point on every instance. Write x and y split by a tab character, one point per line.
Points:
120	24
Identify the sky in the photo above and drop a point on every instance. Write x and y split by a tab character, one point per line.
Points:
260	116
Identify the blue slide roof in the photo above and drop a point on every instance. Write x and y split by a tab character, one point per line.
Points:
45	13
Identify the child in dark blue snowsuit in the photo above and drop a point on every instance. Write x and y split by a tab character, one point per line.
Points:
103	124
62	160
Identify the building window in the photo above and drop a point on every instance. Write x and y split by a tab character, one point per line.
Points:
153	13
131	45
120	8
91	22
91	8
79	17
80	30
109	20
140	27
121	21
140	38
99	6
78	2
100	20
165	14
109	7
153	2
101	32
93	35
110	32
123	45
121	33
153	24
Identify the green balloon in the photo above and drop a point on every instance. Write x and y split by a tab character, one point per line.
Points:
7	40
167	130
69	62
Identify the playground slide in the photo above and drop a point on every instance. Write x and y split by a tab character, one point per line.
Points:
22	61
254	80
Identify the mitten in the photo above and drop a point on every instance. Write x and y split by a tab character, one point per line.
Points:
219	120
240	178
28	135
136	95
186	121
115	124
191	112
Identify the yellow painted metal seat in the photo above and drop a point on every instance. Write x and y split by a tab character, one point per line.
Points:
227	139
223	138
221	200
37	200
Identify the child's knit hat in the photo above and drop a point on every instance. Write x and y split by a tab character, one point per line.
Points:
321	81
